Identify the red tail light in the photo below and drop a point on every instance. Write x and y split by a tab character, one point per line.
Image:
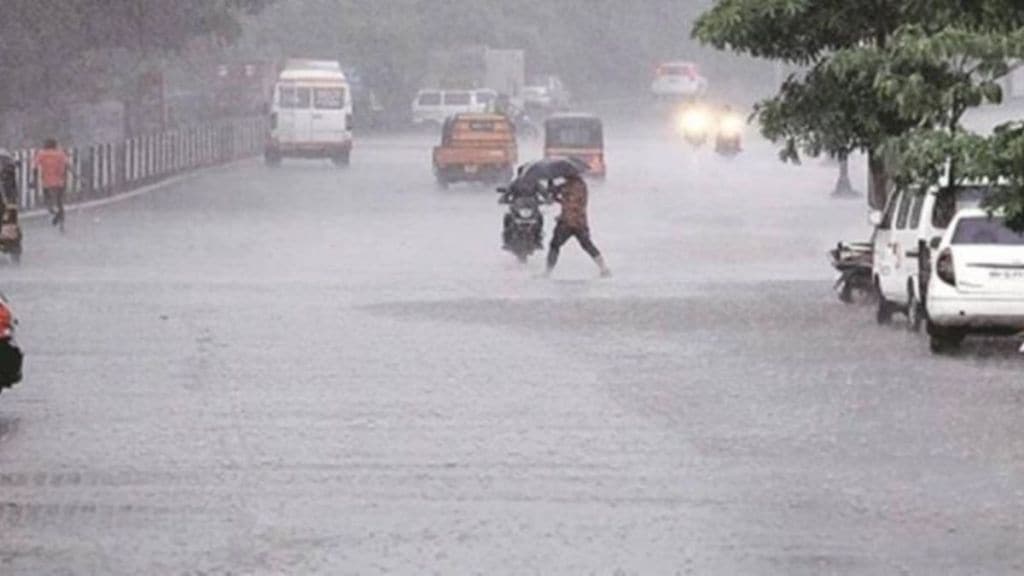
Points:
6	322
944	267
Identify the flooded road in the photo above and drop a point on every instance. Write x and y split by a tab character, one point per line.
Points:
310	370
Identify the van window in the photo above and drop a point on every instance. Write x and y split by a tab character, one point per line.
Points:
944	210
485	98
904	211
916	208
888	214
293	98
329	98
457	99
430	99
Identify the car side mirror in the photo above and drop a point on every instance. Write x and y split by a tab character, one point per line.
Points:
935	242
875	218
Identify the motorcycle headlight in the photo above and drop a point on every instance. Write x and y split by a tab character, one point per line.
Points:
731	125
525	212
694	122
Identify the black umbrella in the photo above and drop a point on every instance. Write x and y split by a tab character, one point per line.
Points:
549	169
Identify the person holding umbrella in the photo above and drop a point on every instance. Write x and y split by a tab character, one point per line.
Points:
572	223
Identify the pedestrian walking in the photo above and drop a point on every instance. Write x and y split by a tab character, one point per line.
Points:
572	223
53	166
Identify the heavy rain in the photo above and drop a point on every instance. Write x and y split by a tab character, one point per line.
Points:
476	287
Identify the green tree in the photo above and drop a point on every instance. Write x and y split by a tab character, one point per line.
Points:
851	98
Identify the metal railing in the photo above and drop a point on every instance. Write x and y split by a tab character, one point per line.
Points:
109	169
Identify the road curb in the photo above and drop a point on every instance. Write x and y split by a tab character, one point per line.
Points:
39	213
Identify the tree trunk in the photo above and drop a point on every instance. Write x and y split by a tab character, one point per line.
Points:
878	181
844	189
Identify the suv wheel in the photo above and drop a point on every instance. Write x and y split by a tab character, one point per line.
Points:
915	311
944	340
883	314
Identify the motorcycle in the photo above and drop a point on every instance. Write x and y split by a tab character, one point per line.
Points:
853	262
695	122
10	354
523	230
729	137
10	227
10	233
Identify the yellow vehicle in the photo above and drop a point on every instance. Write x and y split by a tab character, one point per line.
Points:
475	148
578	136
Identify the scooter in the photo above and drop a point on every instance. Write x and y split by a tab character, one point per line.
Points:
10	233
523	229
853	262
11	356
729	136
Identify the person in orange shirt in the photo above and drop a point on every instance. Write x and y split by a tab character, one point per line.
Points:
53	165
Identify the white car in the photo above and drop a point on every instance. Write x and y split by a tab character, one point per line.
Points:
678	80
902	247
435	106
977	285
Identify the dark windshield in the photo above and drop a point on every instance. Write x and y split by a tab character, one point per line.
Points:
586	134
986	231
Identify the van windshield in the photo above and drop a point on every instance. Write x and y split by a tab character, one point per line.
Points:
329	98
293	98
457	99
981	230
677	70
430	99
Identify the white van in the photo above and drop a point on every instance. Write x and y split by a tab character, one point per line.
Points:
435	106
906	236
311	115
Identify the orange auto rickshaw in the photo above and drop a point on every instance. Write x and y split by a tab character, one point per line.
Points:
576	136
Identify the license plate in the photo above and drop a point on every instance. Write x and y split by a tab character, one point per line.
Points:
470	169
1006	274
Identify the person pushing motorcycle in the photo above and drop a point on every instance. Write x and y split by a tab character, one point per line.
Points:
572	223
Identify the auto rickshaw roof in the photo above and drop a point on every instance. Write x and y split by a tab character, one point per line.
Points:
573	117
480	117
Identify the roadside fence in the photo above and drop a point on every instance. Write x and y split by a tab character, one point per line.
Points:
112	168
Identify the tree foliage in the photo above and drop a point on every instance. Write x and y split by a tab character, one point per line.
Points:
45	42
890	78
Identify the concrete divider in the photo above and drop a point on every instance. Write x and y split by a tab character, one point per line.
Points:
111	168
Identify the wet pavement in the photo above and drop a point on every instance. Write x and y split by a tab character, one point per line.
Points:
309	370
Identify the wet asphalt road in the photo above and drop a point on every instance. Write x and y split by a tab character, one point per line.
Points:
319	371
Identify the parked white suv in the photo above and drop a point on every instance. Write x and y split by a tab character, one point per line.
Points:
902	246
436	106
978	281
678	80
